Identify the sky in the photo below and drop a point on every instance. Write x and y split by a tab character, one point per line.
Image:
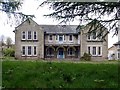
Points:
30	7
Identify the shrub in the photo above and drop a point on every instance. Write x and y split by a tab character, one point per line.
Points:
86	57
10	52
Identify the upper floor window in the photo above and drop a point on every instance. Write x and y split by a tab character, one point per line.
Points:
92	36
56	37
61	37
70	38
29	35
34	35
50	37
23	35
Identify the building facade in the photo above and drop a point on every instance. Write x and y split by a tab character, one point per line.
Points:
33	41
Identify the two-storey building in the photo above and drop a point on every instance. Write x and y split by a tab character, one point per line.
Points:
33	41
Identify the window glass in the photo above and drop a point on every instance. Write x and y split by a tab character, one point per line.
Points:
29	50
94	51
35	35
23	50
29	35
50	37
23	35
70	37
35	50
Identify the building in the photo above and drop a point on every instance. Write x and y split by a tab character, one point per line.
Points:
114	51
33	41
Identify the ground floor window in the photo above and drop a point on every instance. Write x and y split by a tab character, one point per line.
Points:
29	50
50	51
71	52
95	50
118	55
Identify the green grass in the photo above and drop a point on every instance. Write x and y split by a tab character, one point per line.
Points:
37	74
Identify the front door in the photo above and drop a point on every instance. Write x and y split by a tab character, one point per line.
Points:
60	53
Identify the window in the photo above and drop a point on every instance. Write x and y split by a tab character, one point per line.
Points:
35	35
94	51
29	35
56	37
118	55
29	50
88	50
50	52
71	52
23	50
70	37
99	50
23	36
93	35
50	37
34	50
60	37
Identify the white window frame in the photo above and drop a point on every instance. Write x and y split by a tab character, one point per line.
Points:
118	52
56	37
22	35
22	50
91	36
49	38
91	49
34	34
69	38
27	35
62	38
33	51
73	52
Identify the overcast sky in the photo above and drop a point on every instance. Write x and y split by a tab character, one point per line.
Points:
30	7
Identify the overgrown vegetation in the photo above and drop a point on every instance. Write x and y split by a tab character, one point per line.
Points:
86	57
9	52
36	74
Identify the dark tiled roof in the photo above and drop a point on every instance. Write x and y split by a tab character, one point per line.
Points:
55	29
117	43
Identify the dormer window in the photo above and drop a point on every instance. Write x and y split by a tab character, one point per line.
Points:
92	36
29	35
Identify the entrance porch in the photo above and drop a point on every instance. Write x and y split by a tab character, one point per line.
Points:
62	52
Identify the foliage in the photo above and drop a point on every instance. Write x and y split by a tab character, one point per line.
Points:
86	57
37	74
10	52
12	7
86	12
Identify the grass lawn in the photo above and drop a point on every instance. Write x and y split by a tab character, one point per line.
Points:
37	74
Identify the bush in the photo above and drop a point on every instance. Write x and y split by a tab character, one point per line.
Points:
86	57
10	52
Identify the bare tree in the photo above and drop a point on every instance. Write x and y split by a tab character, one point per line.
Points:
8	42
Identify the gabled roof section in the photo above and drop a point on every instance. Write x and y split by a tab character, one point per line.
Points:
57	29
29	20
